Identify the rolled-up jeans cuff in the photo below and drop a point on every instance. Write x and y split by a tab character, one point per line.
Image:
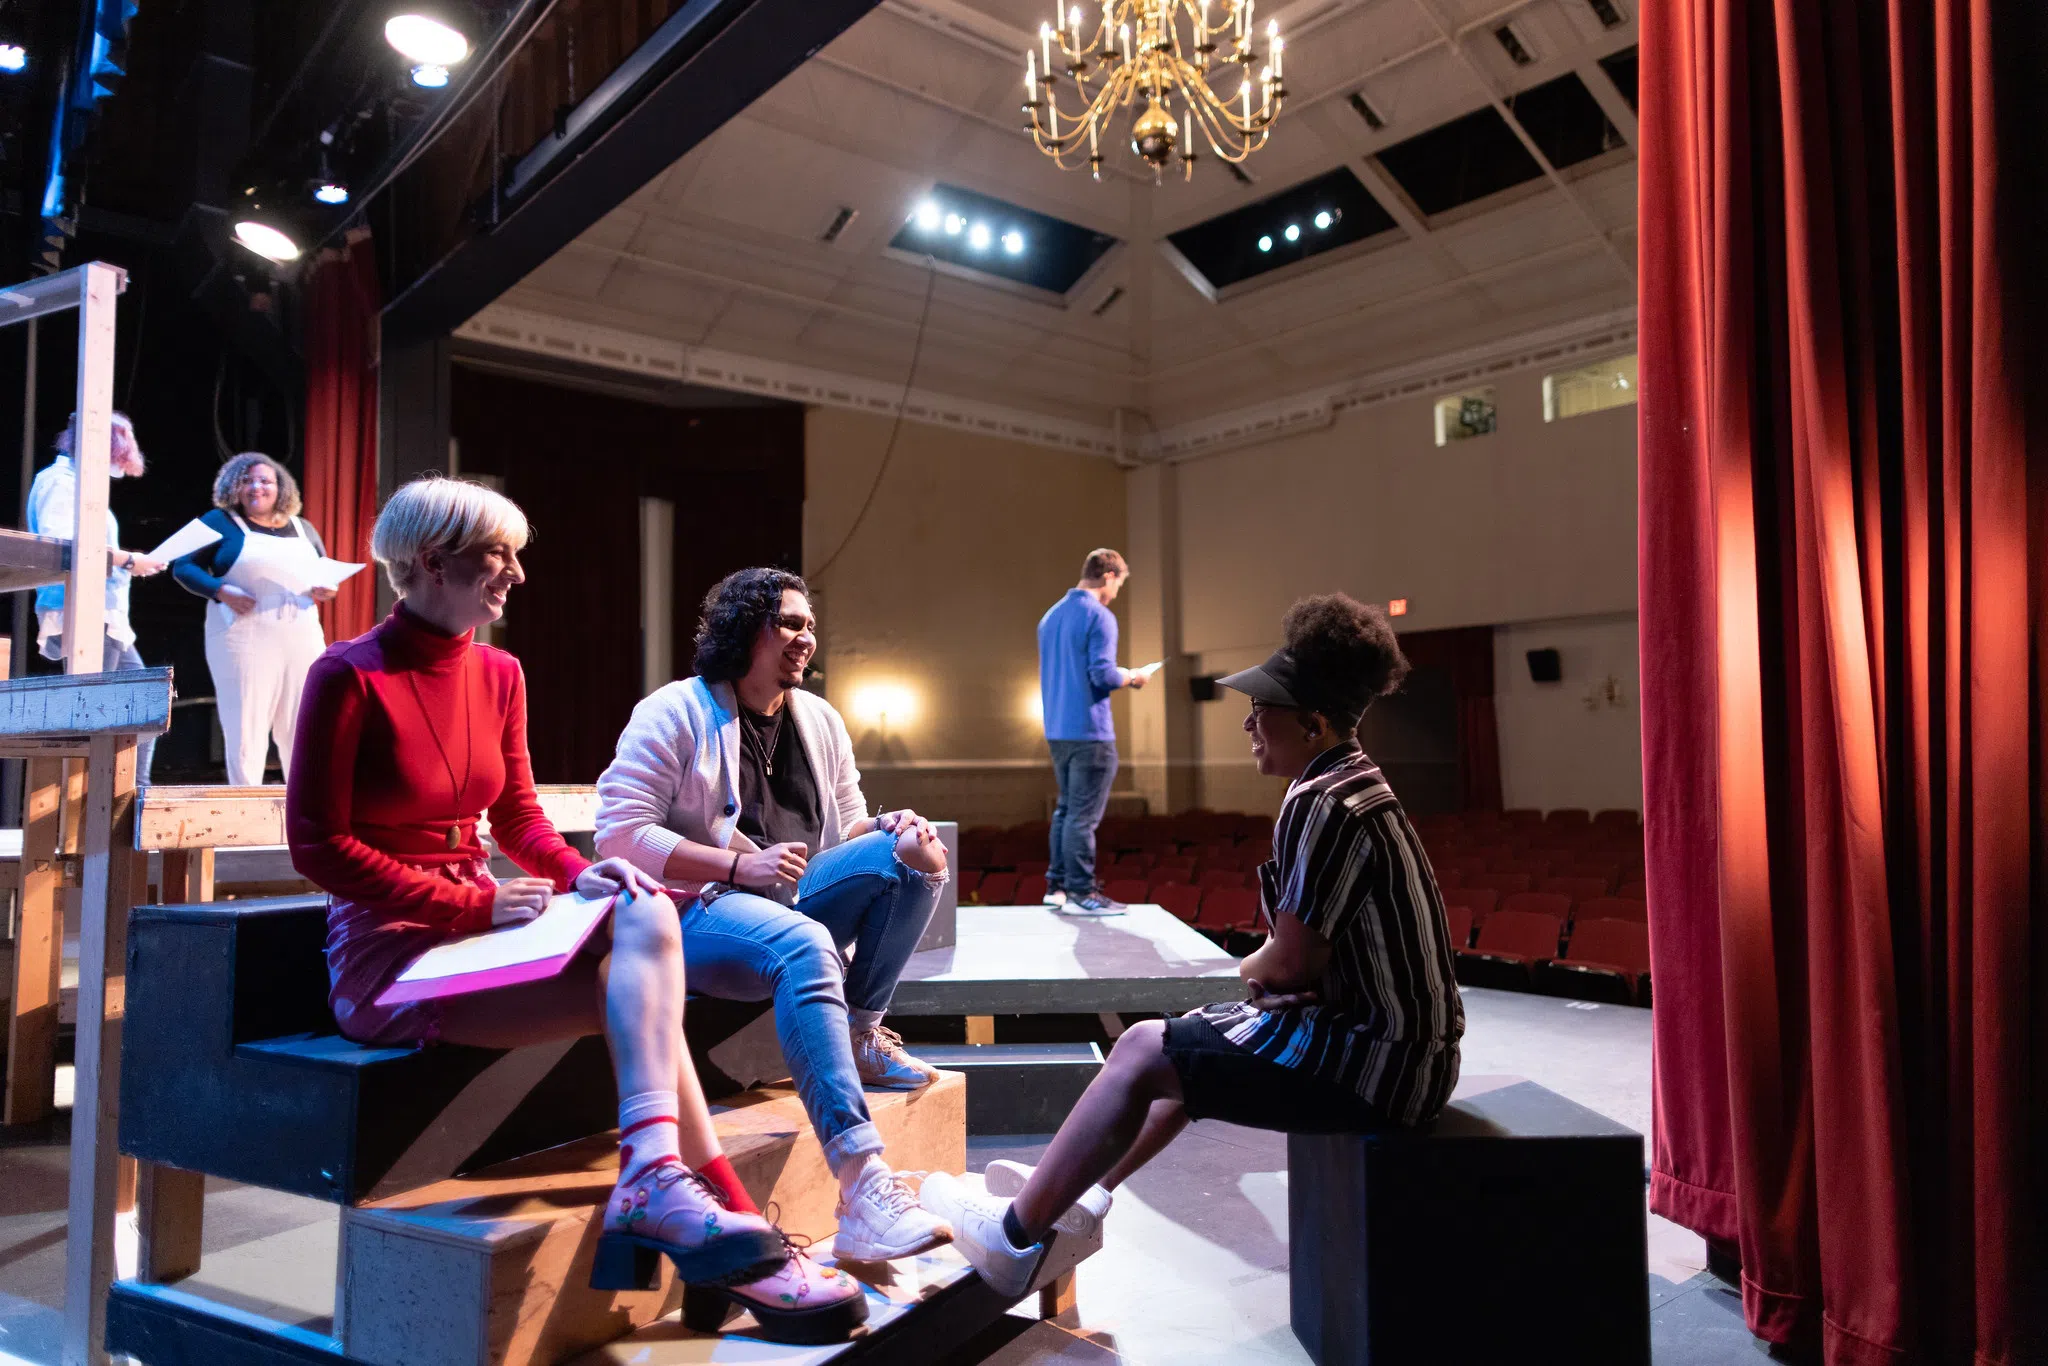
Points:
859	1141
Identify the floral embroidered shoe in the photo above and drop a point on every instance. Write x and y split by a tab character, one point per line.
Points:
880	1057
800	1301
668	1210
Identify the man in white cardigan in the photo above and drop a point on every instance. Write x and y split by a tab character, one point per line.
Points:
738	790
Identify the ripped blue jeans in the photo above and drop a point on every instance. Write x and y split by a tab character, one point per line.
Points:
742	947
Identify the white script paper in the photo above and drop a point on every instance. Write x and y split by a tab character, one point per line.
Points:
1154	667
194	535
555	933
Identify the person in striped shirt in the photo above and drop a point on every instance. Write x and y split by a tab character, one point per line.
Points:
1350	1019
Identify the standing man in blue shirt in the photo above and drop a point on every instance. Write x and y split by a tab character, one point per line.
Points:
1077	671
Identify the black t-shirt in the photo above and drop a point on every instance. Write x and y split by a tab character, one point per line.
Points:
778	793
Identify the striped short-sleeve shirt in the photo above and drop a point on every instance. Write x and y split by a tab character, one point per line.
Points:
1347	864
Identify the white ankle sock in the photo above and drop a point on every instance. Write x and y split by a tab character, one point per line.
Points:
647	1132
853	1169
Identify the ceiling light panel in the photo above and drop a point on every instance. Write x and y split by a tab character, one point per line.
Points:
987	235
1307	220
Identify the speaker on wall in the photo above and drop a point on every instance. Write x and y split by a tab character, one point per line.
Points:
1202	687
1545	666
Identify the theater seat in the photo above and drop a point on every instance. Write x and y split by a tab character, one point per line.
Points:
1219	878
1618	818
1229	908
1614	951
1129	890
997	889
1575	889
1558	908
1613	908
1480	901
1180	900
1567	817
1460	921
1505	883
965	883
1511	944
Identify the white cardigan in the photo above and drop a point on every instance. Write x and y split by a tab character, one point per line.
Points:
675	776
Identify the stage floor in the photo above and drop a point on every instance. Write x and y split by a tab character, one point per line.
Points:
1031	960
1194	1269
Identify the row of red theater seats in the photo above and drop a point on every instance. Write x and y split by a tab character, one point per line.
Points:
1560	817
1002	887
1525	948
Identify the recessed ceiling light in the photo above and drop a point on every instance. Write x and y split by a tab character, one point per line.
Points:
978	237
1013	242
13	57
331	192
266	241
428	75
1293	233
954	222
425	39
1265	244
1323	220
927	216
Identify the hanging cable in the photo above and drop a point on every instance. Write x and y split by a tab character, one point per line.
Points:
895	427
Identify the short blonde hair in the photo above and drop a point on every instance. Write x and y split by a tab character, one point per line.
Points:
439	513
227	485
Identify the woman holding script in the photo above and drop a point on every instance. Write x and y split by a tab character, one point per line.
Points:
262	631
410	734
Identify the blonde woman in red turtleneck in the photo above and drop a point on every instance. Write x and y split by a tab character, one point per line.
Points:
407	736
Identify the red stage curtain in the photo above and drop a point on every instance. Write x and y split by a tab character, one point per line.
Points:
343	300
1842	720
1466	654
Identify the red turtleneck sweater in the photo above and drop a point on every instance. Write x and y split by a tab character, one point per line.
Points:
403	733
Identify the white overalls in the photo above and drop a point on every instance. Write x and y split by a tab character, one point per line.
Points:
260	660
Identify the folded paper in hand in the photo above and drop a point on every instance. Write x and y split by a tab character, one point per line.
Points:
540	948
303	576
1148	670
194	536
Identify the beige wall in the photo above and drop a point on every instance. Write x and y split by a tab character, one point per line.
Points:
1576	742
1534	522
937	599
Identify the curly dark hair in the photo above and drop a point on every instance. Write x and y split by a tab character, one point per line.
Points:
1347	650
734	612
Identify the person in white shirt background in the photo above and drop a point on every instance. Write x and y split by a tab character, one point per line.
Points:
262	634
53	511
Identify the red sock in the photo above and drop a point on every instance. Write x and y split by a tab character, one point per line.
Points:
718	1171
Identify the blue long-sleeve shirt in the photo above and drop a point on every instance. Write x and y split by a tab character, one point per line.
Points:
205	570
1077	668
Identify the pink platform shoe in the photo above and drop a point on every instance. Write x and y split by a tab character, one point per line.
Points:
799	1302
669	1210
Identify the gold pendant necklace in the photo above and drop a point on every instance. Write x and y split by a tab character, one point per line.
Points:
468	746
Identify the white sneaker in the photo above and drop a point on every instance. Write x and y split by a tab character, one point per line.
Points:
1083	1218
977	1223
1055	897
880	1058
882	1220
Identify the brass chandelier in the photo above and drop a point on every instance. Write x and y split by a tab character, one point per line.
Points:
1169	54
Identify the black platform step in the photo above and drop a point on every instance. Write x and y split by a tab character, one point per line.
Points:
231	1066
1018	1088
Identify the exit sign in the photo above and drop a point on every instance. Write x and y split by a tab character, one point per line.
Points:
1397	607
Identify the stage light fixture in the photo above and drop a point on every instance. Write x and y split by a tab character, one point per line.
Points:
978	237
927	216
13	57
266	241
954	222
426	39
1324	220
1265	244
1013	242
429	76
1293	233
331	192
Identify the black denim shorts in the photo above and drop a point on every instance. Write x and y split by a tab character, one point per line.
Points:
1219	1080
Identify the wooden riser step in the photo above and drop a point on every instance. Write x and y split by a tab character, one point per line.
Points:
495	1266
